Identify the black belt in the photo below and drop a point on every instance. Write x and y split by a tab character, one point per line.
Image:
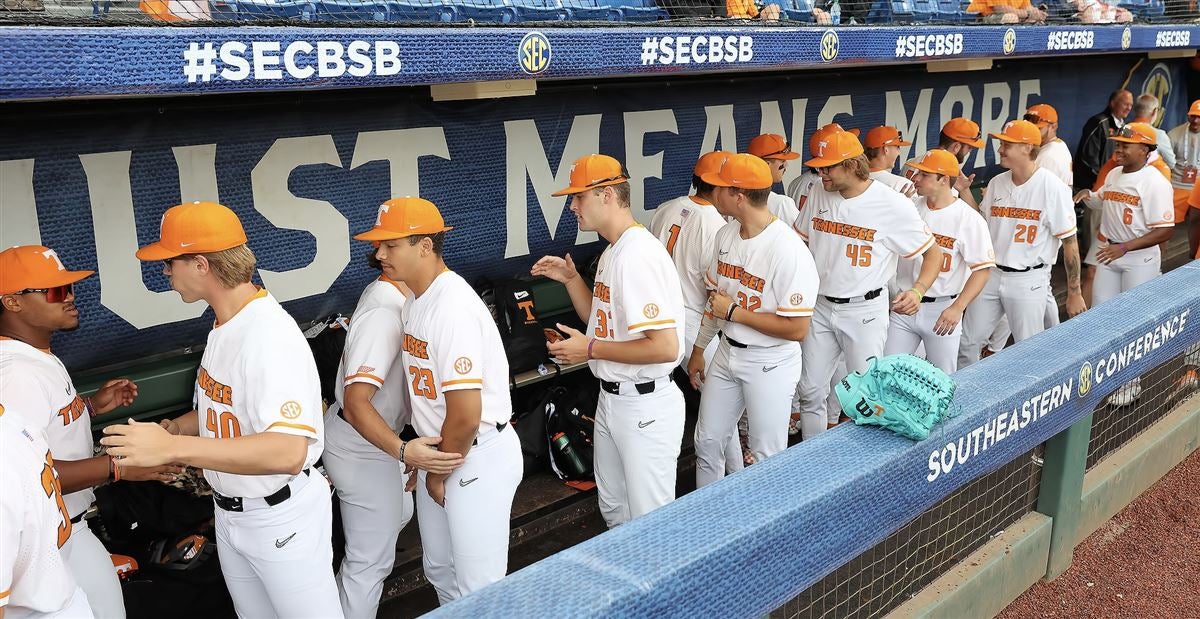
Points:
866	297
499	428
615	388
234	503
79	518
936	299
1024	270
734	343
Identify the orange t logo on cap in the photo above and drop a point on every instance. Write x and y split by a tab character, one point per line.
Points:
28	267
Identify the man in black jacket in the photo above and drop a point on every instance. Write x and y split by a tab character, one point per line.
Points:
1094	147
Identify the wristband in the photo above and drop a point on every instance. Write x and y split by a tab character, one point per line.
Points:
591	343
87	402
920	295
114	469
729	314
403	444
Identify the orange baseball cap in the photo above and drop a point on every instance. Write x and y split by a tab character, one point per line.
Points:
1136	133
819	134
884	136
1195	109
744	171
195	228
834	148
772	146
710	162
401	217
964	131
34	266
594	171
1019	132
1041	113
937	161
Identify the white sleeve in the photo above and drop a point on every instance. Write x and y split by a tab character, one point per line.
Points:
803	223
795	284
643	295
372	345
906	235
706	250
1060	211
458	354
710	270
977	242
1164	148
1158	206
280	382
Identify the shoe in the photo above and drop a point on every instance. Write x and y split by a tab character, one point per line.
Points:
1127	394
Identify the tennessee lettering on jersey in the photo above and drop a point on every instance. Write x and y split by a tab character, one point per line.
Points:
1012	212
744	277
603	292
416	347
222	394
843	229
72	411
1124	198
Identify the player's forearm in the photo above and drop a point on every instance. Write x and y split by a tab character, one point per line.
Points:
709	325
972	288
464	413
189	423
659	346
581	297
75	475
793	328
361	414
1150	239
1071	263
931	265
265	453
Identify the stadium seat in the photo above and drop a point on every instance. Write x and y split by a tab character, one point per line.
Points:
798	10
351	10
1057	10
416	10
591	10
923	11
642	10
541	10
495	11
1146	10
891	11
247	10
953	11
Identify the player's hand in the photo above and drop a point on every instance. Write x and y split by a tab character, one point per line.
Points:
166	472
114	393
964	182
573	349
949	319
906	303
1081	195
561	270
411	483
138	444
436	485
695	369
719	302
170	425
422	453
1108	252
1075	304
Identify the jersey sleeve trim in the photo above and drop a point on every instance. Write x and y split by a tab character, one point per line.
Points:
1161	224
4	596
293	426
661	324
463	381
923	248
1063	235
363	377
983	265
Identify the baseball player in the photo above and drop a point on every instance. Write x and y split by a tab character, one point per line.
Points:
764	282
457	376
856	229
686	226
37	296
803	185
34	579
362	445
1054	155
966	260
633	313
960	137
882	147
777	152
1030	214
1185	141
257	428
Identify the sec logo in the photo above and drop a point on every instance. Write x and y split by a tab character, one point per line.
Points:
1010	41
829	46
650	311
1126	37
796	299
1158	83
533	53
462	365
290	409
1085	379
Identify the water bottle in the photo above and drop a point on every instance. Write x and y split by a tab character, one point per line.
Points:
835	13
570	461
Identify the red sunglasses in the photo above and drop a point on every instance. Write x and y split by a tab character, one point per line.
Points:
57	294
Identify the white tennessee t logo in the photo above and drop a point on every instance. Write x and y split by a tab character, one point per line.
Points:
50	255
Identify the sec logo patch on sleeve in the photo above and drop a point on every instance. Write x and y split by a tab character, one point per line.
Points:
796	299
462	365
650	311
290	409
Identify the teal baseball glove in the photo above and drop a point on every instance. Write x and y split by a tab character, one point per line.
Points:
902	393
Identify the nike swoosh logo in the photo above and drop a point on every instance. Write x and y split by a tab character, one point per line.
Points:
280	543
416	227
642	424
823	211
768	369
463	483
1036	288
68	390
186	244
867	320
723	252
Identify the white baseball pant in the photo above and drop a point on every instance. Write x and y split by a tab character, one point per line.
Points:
1000	335
637	443
1020	296
465	543
1133	269
907	333
92	566
757	379
833	408
278	560
374	508
856	330
733	451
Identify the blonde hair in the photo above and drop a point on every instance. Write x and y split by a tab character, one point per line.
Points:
232	267
859	166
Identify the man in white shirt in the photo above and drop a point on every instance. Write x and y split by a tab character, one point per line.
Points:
777	152
1054	155
882	147
1185	142
803	185
960	137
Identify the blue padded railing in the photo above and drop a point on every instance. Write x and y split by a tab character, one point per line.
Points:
747	544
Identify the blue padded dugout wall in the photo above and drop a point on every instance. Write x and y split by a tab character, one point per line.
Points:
745	545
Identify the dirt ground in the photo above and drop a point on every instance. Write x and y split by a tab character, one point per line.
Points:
1142	563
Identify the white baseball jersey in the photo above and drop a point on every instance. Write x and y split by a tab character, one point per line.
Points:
1133	204
451	342
1187	156
258	375
966	247
1055	158
772	272
36	382
895	181
800	188
686	227
1027	222
34	579
855	242
372	356
782	207
637	289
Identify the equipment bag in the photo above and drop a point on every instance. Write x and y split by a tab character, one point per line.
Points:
512	306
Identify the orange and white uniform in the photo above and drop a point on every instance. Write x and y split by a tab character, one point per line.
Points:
34	579
1055	158
369	482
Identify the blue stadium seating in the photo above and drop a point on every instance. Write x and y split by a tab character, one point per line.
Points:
248	10
1148	10
497	11
642	10
798	10
891	12
592	10
541	10
954	11
416	10
351	10
924	10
